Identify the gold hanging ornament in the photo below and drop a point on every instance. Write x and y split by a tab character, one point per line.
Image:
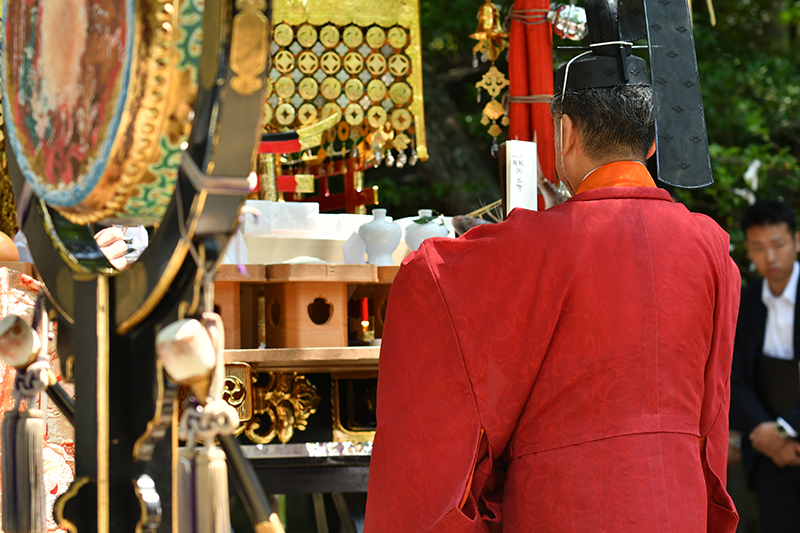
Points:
491	42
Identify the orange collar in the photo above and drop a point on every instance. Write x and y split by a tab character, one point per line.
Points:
617	174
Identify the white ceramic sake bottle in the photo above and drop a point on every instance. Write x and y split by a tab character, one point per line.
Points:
381	237
416	233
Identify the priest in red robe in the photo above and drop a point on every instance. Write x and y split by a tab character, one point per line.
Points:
565	370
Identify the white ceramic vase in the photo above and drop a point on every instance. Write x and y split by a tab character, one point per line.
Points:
381	237
416	233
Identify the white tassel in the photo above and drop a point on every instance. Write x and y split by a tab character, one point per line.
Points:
203	492
23	472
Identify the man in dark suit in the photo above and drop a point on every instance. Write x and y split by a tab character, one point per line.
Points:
765	384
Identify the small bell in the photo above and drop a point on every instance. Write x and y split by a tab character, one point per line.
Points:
414	158
402	159
378	158
490	34
495	148
389	158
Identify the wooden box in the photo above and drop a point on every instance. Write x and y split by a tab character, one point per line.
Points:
306	304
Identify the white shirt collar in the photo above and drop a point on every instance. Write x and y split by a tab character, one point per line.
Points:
789	292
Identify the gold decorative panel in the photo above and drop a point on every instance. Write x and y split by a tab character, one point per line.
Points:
359	57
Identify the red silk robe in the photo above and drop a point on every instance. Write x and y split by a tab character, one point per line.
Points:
565	370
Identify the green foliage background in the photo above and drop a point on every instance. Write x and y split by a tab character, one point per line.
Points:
750	75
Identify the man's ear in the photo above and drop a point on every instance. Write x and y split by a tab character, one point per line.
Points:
651	151
568	134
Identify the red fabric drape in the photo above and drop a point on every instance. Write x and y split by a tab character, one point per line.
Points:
530	73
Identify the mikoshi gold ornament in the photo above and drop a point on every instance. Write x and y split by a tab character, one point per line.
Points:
492	40
360	59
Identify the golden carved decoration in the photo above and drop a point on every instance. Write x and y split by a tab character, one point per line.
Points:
331	88
494	110
268	113
307	62
304	183
329	36
377	116
308	88
331	63
288	399
398	37
237	390
249	47
354	89
400	93
401	119
376	64
285	114
307	35
307	114
401	141
493	82
283	35
284	87
354	114
398	65
376	37
353	63
376	90
353	36
284	61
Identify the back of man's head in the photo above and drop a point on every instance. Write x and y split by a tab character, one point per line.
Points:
611	121
769	213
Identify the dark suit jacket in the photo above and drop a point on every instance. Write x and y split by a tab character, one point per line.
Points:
747	410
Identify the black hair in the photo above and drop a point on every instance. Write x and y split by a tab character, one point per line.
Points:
769	213
610	120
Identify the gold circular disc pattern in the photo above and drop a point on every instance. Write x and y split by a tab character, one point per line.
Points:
354	114
307	114
307	62
398	65
329	36
329	109
376	90
401	119
343	131
284	87
283	35
400	93
307	35
376	64
353	63
331	63
398	37
354	89
268	114
285	114
284	61
377	116
331	88
376	37
308	88
353	36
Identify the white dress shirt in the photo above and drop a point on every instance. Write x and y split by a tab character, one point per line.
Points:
779	331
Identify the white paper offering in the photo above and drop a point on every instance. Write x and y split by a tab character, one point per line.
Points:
521	175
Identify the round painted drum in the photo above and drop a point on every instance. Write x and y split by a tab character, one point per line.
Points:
102	101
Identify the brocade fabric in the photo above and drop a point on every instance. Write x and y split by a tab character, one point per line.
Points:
562	371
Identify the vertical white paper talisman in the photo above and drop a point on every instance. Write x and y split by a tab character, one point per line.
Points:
521	177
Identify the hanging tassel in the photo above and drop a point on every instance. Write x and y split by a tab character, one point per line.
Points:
211	489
